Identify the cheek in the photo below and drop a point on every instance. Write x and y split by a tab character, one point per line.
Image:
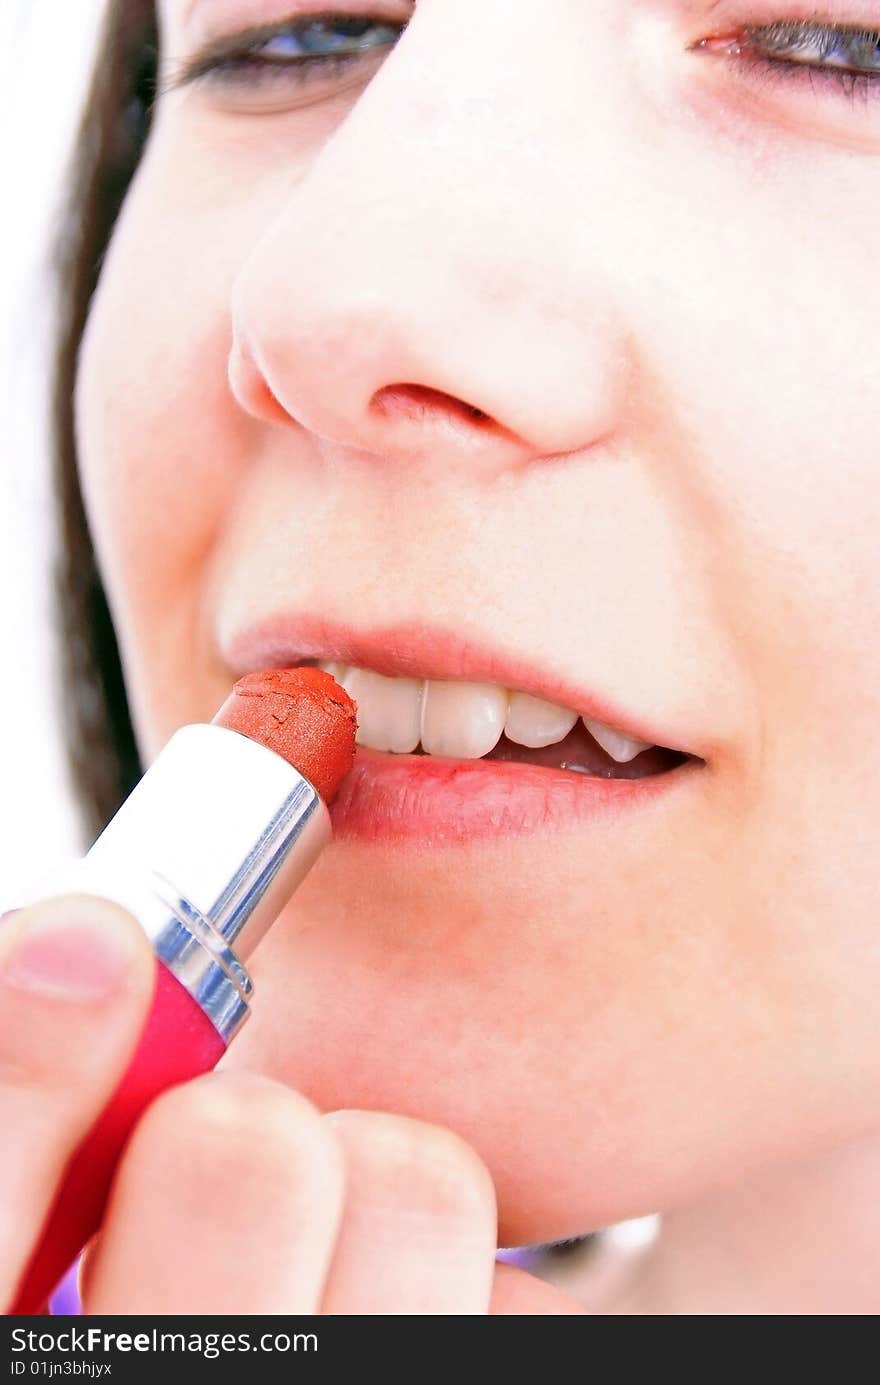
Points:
788	495
798	558
159	442
778	359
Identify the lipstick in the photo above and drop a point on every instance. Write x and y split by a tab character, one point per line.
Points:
205	852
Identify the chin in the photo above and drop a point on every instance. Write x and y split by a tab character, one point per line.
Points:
353	1028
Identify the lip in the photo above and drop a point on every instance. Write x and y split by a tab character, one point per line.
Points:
418	650
432	801
437	802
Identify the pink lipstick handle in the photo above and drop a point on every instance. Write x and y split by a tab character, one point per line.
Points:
178	1042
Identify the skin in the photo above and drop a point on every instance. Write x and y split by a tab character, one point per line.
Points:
679	1016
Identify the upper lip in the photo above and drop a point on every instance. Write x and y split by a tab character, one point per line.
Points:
419	650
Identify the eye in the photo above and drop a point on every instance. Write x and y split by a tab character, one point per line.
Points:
846	58
287	58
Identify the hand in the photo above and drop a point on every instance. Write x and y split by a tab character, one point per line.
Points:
235	1194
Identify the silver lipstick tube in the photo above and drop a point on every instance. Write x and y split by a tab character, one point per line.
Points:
205	852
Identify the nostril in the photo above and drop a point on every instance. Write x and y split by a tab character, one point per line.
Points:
419	401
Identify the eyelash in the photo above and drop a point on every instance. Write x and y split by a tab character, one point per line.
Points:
798	35
246	68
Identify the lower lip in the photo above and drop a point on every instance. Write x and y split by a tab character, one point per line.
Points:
408	798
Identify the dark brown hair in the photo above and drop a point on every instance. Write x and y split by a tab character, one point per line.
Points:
101	750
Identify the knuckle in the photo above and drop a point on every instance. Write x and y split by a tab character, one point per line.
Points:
429	1160
237	1128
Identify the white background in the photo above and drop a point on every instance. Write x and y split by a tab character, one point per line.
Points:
45	52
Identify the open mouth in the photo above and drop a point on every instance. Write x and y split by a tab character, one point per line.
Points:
582	754
465	721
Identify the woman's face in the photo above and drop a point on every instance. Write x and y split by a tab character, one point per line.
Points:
539	351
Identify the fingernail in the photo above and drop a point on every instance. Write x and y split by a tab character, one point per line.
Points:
68	958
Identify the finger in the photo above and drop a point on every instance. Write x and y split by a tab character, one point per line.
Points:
418	1229
76	977
518	1294
227	1201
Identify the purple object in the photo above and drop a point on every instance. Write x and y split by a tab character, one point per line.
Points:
65	1301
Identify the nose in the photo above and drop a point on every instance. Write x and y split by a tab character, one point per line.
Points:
415	297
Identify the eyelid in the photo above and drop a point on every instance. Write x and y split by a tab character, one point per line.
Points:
235	38
808	101
210	21
794	49
799	41
740	14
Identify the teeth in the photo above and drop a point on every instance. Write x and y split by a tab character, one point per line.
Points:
389	709
533	722
462	720
337	671
620	747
